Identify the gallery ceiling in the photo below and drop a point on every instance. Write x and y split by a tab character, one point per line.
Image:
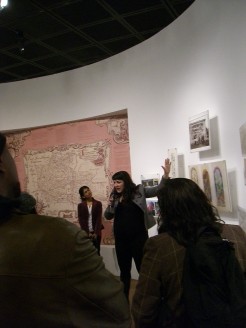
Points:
43	37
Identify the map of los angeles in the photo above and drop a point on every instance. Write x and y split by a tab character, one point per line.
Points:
55	174
54	162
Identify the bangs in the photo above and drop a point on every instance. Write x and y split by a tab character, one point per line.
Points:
2	142
119	176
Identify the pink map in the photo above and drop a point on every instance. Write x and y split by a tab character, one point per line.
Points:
53	162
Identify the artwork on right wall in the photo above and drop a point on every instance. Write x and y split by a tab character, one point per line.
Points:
245	171
199	130
173	156
242	132
212	179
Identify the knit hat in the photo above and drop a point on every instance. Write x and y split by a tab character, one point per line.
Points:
27	202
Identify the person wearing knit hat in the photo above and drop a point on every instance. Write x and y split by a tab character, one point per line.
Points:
27	203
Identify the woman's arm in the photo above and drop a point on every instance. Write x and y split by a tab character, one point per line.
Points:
96	294
109	212
152	191
166	168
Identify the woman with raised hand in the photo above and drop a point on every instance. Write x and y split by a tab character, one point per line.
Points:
127	205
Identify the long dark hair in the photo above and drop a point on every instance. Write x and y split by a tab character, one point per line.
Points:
6	205
130	188
2	142
185	209
81	191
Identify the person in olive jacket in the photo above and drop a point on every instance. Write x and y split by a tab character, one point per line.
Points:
184	210
50	274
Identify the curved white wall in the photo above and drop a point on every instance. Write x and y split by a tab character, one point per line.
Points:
195	64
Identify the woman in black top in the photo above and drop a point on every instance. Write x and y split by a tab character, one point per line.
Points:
127	205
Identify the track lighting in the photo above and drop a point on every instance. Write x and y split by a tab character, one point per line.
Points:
21	40
3	3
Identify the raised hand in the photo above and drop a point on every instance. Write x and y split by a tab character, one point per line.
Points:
166	168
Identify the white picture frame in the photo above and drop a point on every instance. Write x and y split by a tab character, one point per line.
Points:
199	131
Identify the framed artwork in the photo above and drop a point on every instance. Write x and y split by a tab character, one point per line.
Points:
244	160
242	132
212	179
195	175
206	181
199	130
220	187
153	206
173	156
150	180
242	218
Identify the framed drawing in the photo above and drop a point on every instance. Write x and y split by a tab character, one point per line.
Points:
244	160
242	132
242	218
212	179
220	184
199	130
195	175
173	156
206	181
150	180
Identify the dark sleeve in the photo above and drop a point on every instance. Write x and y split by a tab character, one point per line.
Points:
152	191
99	295
237	235
109	213
147	297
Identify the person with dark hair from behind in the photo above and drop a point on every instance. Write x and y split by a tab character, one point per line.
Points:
185	211
50	273
127	205
27	203
90	216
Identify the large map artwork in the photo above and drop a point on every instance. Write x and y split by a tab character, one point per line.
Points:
54	162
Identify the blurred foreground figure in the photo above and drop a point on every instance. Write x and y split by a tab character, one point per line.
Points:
190	276
27	203
50	273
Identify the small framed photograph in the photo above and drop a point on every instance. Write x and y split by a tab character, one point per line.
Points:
199	129
153	206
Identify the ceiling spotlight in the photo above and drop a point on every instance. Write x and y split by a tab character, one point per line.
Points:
21	40
3	3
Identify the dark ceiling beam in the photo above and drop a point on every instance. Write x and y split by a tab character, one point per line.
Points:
72	28
29	39
170	9
120	19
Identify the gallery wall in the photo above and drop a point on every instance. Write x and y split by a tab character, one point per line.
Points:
195	64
